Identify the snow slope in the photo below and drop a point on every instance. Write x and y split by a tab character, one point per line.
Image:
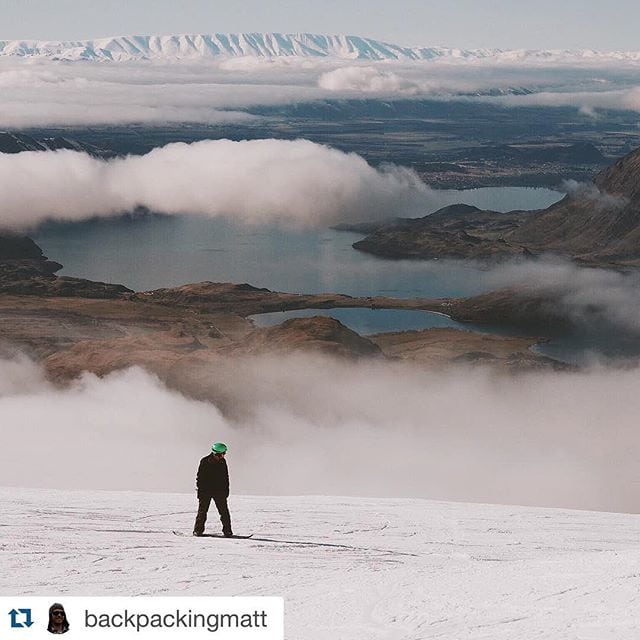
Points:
348	568
268	45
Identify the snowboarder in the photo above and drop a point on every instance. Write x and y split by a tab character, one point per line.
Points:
212	483
58	622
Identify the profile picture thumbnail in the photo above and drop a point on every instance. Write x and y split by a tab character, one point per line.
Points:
58	622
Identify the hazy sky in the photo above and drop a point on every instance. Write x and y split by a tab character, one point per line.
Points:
461	23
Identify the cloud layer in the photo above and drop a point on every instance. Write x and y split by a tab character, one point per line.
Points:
316	426
599	301
587	102
295	182
367	80
48	92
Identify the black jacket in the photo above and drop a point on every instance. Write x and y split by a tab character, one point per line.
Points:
213	477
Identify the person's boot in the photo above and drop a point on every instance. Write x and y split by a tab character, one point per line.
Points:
228	534
198	534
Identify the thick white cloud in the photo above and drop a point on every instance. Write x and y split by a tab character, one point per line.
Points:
367	80
317	426
295	182
585	101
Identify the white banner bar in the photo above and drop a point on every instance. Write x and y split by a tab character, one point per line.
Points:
237	618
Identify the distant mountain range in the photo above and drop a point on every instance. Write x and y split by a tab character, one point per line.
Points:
273	45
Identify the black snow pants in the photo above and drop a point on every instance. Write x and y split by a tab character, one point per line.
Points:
203	508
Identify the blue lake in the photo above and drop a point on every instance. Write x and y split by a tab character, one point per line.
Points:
366	321
151	252
164	251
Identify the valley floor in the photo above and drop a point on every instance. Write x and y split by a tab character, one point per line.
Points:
348	568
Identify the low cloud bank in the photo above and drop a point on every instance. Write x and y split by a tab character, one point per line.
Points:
367	80
303	425
48	92
587	102
597	300
599	199
259	181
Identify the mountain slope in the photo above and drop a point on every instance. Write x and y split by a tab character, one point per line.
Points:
595	223
125	48
352	568
267	45
599	222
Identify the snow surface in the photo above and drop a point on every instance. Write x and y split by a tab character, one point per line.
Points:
269	45
348	568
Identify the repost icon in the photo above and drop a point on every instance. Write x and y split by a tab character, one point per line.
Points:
20	618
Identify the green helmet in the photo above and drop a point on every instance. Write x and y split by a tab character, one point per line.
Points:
219	447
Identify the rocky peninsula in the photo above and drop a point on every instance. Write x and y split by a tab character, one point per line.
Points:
594	224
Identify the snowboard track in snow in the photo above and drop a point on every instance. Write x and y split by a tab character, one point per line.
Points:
300	543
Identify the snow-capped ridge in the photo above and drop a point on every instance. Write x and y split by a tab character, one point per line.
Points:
275	45
186	46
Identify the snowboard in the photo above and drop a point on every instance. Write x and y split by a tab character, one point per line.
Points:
214	535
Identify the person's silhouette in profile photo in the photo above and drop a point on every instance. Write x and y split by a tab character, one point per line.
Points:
58	622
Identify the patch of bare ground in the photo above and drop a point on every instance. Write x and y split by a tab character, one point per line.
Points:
444	347
73	335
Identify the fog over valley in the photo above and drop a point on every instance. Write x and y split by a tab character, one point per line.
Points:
548	440
41	92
